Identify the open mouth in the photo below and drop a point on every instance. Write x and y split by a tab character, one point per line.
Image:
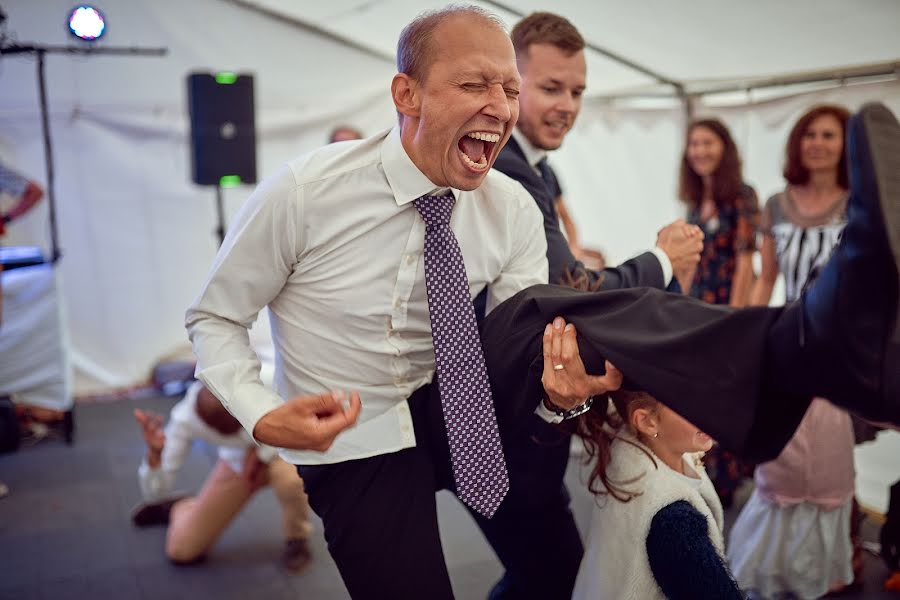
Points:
476	148
557	127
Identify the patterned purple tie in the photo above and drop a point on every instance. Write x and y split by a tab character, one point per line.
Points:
479	467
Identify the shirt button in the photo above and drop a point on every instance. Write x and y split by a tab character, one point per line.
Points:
398	303
410	259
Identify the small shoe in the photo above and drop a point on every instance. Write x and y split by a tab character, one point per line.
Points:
296	556
154	513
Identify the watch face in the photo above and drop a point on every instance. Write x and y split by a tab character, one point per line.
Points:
579	410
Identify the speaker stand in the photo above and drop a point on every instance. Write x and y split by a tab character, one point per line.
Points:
220	214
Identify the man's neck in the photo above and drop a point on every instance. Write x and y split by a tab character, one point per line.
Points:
532	153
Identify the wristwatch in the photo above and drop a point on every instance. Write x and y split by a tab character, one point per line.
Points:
562	414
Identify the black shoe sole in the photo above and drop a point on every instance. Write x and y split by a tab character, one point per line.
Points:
882	133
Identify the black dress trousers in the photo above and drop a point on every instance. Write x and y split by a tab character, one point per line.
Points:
708	363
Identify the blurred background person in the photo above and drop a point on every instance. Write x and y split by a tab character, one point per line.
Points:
801	224
25	194
711	184
344	133
794	534
196	522
725	208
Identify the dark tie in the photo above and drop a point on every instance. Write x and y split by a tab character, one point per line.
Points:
479	467
546	173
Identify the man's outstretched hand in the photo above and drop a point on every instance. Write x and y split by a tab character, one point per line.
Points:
309	422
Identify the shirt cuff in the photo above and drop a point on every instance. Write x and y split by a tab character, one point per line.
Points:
547	414
665	263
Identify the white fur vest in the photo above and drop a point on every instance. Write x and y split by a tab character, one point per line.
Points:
615	564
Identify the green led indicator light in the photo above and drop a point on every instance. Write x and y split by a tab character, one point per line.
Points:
230	181
226	77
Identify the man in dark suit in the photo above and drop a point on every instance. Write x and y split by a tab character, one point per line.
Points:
550	57
537	539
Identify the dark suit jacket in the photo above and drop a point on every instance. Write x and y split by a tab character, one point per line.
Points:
642	271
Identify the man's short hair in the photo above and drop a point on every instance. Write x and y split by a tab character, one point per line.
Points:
414	51
546	28
344	132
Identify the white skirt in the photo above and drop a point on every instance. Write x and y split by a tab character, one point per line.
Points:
802	549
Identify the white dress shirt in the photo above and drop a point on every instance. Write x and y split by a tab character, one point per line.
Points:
182	428
333	244
533	155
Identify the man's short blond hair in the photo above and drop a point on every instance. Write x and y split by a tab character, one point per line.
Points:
414	48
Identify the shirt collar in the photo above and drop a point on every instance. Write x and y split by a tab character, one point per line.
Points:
407	182
532	153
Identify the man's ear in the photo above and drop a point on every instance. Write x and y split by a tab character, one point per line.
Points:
405	91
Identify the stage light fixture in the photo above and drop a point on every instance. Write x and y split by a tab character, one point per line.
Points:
87	23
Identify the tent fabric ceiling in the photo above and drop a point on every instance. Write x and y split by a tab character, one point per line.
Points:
689	42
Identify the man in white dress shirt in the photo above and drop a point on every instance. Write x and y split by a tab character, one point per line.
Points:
333	245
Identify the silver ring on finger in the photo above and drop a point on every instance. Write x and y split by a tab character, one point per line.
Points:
558	367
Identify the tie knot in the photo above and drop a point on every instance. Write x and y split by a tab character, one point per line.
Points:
544	169
435	210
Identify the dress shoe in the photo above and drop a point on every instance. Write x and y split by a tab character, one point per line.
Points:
850	313
154	513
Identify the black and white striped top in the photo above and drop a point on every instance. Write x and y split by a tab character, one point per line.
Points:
802	244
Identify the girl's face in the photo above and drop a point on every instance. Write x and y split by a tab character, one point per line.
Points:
822	144
678	435
704	150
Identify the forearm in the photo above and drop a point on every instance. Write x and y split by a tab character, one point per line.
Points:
252	268
742	281
762	291
229	368
27	200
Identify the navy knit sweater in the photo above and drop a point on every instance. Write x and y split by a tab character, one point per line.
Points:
684	561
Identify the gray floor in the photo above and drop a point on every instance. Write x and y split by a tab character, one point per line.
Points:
65	530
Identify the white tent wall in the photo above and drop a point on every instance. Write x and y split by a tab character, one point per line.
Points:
137	236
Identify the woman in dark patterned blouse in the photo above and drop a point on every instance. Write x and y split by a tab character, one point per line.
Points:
725	208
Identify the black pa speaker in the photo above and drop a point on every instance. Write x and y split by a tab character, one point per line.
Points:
223	132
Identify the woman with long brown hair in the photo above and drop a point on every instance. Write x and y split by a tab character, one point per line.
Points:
727	210
724	207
